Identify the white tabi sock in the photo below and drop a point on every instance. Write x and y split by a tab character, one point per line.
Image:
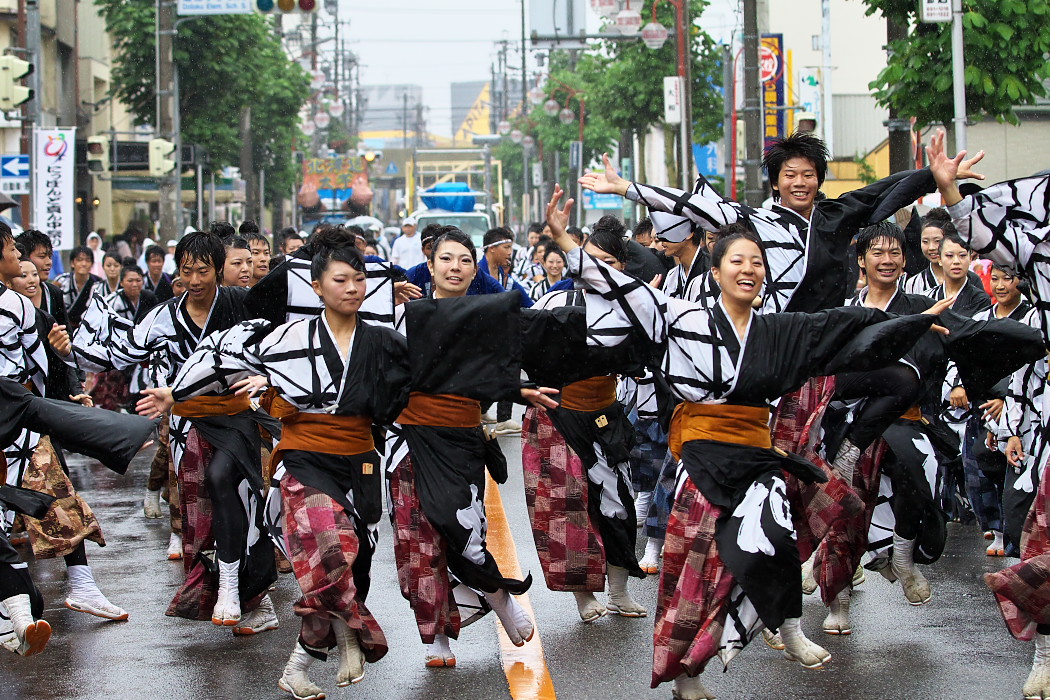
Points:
85	596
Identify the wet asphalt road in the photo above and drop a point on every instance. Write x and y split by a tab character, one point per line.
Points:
954	647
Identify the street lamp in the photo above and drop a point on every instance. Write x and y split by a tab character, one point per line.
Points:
566	116
657	35
503	127
551	107
517	136
628	21
654	35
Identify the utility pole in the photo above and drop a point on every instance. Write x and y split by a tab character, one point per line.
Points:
251	205
828	113
958	76
168	187
728	127
753	192
404	120
899	128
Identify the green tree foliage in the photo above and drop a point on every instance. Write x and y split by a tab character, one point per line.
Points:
225	62
1006	47
627	77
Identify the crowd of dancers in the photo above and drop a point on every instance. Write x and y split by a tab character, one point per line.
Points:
794	399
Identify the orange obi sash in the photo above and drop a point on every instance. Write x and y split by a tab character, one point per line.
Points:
914	413
588	395
740	425
441	410
319	432
208	406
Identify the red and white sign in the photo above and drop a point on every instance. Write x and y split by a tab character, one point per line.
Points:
769	64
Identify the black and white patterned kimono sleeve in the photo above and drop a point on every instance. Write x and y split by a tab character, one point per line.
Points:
705	207
1008	223
105	340
23	357
221	360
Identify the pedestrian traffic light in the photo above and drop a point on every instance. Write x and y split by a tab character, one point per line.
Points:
268	6
160	162
98	154
13	69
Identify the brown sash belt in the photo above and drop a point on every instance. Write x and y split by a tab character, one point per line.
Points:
740	425
914	413
441	411
319	432
589	395
209	406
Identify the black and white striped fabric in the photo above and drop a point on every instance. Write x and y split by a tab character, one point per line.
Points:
1009	223
783	232
539	289
138	376
22	355
919	283
670	227
378	306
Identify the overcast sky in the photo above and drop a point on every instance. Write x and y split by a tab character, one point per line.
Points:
437	42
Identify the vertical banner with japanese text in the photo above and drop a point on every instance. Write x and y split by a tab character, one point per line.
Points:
53	185
772	67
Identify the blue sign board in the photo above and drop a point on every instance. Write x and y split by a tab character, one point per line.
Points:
708	163
594	200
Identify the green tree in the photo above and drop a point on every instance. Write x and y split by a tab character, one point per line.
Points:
1006	47
225	62
627	78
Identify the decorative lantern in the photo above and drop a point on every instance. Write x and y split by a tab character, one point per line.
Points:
536	95
528	141
654	35
336	109
322	120
517	136
551	107
566	116
628	22
503	127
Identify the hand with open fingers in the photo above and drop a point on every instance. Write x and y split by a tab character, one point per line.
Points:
155	402
250	385
655	281
608	182
558	218
406	291
58	339
992	408
83	400
540	396
965	171
1014	452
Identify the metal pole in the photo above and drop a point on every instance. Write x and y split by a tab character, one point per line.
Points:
211	197
753	192
686	169
32	36
828	114
262	196
176	123
200	196
728	127
958	77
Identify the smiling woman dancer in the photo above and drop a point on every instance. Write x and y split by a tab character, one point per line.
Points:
335	375
717	590
437	453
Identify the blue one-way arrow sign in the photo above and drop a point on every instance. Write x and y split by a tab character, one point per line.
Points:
14	166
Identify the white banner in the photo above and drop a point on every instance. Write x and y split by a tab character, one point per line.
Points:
215	7
54	182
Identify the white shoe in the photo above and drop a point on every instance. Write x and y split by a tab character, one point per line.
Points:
1037	686
439	653
261	619
8	638
650	562
809	580
686	688
151	504
507	427
515	620
641	506
798	647
31	635
174	547
296	680
589	607
916	587
619	600
859	576
837	621
227	610
85	597
773	640
996	548
488	419
351	659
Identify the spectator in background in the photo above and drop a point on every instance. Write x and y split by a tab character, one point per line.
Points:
576	234
78	286
169	258
157	281
237	270
223	229
408	249
94	242
643	232
290	242
260	248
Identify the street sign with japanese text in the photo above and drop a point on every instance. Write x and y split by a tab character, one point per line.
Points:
14	174
673	99
771	62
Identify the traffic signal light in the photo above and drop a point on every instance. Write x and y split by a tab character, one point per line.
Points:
371	156
13	69
286	5
98	154
160	162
